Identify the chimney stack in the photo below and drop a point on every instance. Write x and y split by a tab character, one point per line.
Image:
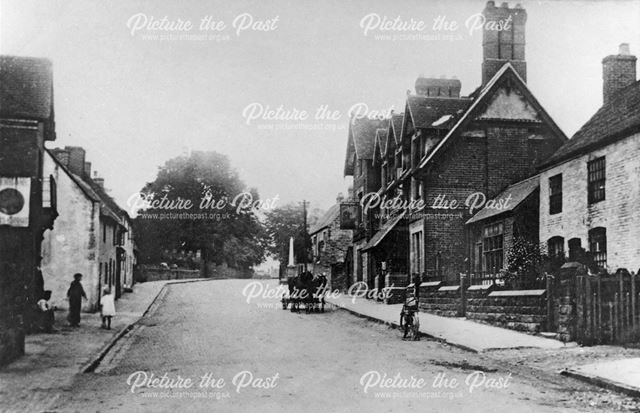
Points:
618	71
98	180
442	87
87	169
61	155
76	159
505	45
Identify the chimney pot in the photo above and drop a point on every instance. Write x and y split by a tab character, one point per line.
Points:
623	49
618	72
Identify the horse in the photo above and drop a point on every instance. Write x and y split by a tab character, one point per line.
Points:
320	290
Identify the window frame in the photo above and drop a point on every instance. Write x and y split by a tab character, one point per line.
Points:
598	246
493	247
555	194
596	180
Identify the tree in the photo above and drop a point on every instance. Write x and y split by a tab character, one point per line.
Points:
206	197
283	223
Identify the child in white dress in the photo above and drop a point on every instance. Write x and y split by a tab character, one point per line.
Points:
108	308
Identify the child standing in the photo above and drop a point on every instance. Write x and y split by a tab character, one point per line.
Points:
108	308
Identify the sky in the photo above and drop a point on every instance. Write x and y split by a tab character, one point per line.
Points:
135	91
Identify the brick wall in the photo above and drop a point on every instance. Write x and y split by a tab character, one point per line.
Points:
619	213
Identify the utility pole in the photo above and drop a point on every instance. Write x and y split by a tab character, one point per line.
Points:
304	242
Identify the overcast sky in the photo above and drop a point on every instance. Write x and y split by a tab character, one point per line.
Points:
134	101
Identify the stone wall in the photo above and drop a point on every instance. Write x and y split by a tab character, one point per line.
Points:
444	301
523	310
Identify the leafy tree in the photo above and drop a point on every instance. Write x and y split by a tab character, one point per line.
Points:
281	224
225	230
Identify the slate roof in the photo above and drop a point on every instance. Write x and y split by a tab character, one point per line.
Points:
615	120
26	88
396	126
326	220
93	191
455	124
518	193
386	229
381	139
362	136
425	110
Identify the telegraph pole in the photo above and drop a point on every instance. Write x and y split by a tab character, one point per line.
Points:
304	242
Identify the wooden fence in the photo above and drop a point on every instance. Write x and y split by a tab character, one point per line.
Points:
607	309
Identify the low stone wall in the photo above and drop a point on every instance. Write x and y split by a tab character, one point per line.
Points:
394	295
523	310
444	301
151	273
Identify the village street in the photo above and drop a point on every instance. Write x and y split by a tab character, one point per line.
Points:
307	362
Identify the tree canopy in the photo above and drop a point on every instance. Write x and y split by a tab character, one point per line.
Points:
197	202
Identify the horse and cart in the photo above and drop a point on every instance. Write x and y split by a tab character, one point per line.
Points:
307	290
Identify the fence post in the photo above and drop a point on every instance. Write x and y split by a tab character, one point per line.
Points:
599	309
588	315
550	302
463	294
616	316
579	309
633	304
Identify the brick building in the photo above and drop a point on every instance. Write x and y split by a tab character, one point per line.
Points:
589	189
91	236
455	154
27	206
330	244
359	165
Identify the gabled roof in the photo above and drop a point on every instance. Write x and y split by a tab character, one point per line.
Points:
379	147
395	127
506	71
619	118
362	135
94	192
108	206
326	220
425	111
84	187
26	88
516	194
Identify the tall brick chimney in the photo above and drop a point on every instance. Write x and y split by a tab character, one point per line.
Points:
98	180
506	45
76	159
438	87
87	169
618	71
61	155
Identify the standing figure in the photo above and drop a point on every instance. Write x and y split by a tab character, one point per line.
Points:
46	316
75	295
108	308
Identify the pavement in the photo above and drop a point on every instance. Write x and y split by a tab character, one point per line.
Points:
621	375
458	332
35	381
